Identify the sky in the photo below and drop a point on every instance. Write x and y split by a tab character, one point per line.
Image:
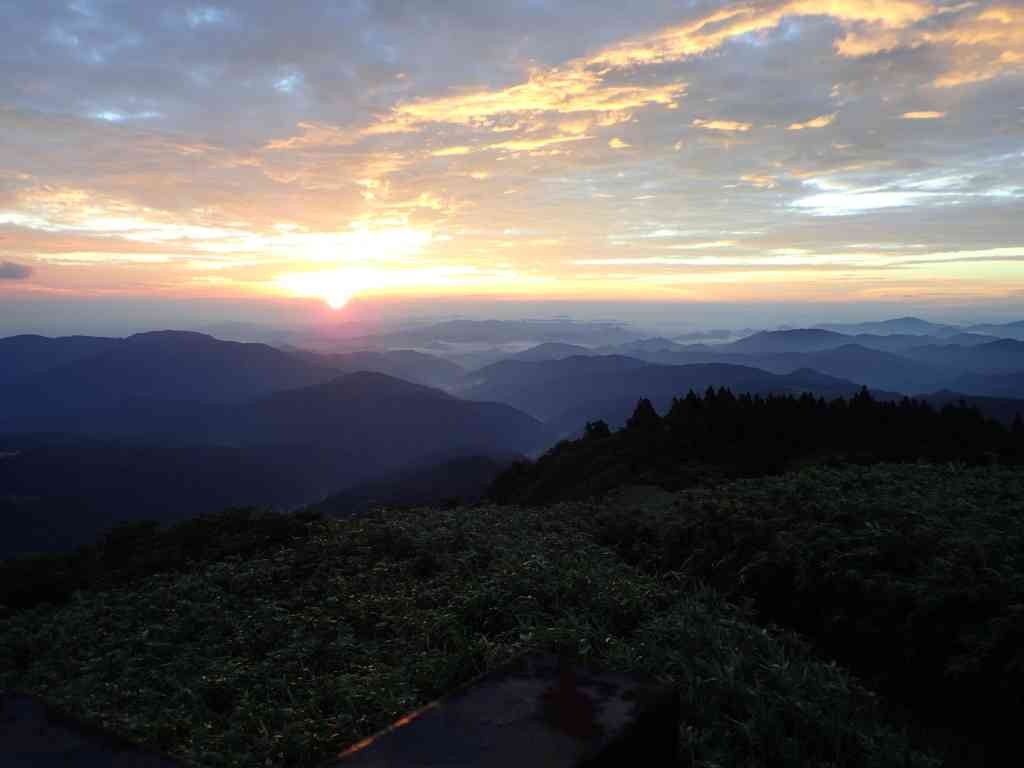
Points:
800	153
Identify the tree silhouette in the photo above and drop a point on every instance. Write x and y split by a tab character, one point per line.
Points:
644	417
721	434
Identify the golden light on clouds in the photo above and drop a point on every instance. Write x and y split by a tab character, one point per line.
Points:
985	42
759	180
923	115
815	122
590	169
729	126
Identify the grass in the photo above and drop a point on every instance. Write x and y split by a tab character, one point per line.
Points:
286	652
911	575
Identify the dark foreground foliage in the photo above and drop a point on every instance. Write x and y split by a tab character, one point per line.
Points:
720	435
913	576
284	654
250	639
132	551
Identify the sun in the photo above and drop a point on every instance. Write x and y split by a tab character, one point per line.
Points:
335	289
338	299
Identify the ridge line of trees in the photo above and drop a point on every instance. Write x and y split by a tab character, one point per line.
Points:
719	435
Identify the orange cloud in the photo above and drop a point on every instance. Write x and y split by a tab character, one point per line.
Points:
760	181
815	122
983	43
451	151
923	115
573	90
712	31
730	126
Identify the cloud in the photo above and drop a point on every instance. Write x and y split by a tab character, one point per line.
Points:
714	30
848	202
981	42
923	115
572	90
9	270
731	126
760	181
507	117
815	122
451	151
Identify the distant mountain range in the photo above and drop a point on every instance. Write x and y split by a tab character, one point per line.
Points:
499	332
1006	330
166	460
407	364
970	363
22	356
912	326
169	424
568	392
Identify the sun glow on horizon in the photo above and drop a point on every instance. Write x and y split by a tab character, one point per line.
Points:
620	166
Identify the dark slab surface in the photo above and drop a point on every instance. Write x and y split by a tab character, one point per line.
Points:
533	713
35	735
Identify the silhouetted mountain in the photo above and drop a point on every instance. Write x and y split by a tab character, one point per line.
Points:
913	326
498	332
164	365
643	346
1003	331
971	339
569	392
685	354
717	335
782	342
27	355
1003	356
870	367
543	388
396	421
899	342
292	447
550	350
417	367
993	384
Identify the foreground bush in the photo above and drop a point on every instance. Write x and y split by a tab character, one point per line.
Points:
285	653
912	575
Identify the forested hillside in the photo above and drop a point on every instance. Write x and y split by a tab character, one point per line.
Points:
718	435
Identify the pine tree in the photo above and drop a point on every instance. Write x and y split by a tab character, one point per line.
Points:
644	417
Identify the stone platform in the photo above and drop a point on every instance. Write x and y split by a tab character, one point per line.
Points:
33	735
534	713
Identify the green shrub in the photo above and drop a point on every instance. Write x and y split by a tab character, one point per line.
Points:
284	655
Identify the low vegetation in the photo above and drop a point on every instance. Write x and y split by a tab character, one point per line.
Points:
912	576
826	609
288	652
